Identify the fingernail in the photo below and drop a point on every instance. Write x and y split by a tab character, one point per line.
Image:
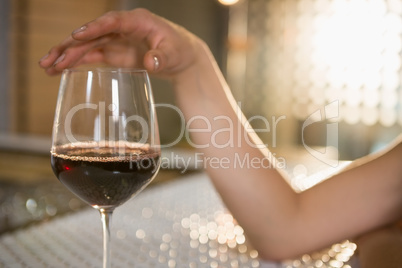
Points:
81	29
44	57
59	59
156	63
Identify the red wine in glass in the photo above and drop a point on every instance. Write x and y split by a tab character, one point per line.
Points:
108	180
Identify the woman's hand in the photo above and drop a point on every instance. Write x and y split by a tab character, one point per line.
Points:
135	38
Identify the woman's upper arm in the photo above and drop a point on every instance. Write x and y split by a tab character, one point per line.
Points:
364	196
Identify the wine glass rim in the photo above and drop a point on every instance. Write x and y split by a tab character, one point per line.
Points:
105	69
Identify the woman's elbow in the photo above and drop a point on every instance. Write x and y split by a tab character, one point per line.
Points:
279	249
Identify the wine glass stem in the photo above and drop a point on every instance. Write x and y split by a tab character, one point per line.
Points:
106	216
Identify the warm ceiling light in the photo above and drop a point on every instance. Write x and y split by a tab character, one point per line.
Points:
228	2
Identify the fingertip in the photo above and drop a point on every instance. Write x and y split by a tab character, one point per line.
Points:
59	59
52	71
41	65
43	58
152	62
53	66
156	63
79	30
46	61
49	59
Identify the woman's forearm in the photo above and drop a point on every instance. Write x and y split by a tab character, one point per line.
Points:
257	195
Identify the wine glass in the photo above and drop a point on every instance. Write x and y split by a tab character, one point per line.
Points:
105	144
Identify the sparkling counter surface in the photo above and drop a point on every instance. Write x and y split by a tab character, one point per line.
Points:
182	223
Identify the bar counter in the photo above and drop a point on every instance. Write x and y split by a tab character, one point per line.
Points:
180	223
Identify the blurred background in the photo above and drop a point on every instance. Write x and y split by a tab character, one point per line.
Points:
284	60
